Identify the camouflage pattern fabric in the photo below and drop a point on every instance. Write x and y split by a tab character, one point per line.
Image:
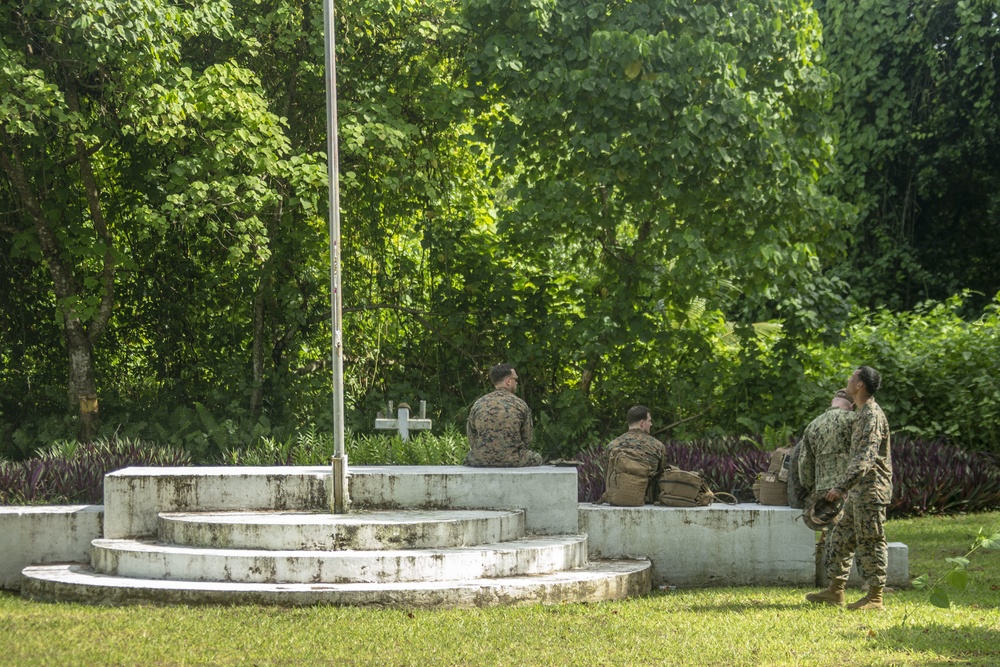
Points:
868	479
860	535
644	447
797	494
499	430
638	446
868	484
825	450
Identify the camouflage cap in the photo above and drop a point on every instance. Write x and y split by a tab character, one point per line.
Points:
822	514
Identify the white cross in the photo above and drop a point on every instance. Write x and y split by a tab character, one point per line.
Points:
403	423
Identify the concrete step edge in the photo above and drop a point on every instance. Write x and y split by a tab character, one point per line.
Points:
535	555
599	580
321	530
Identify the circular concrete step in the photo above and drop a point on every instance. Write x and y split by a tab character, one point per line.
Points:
600	580
323	531
146	560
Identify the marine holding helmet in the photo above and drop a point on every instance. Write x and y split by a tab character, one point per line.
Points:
866	488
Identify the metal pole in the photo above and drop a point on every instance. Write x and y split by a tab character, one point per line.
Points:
339	499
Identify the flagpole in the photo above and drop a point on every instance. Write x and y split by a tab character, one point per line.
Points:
339	497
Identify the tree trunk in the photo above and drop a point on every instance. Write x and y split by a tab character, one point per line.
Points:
81	374
257	349
82	384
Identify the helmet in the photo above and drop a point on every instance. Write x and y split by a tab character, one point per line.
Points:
822	514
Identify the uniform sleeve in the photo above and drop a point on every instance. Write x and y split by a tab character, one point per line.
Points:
526	427
807	464
865	442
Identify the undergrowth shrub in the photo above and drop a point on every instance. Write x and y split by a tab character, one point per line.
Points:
934	477
72	472
310	447
940	372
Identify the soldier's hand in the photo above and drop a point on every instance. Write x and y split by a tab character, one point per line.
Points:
833	495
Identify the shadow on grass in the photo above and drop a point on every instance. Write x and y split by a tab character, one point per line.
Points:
746	605
950	642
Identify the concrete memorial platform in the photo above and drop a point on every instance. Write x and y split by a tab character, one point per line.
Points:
416	536
134	497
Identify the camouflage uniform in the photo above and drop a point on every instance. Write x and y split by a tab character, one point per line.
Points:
868	485
499	430
826	450
640	447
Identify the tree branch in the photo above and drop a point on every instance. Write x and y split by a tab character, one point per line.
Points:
100	321
418	315
12	163
678	423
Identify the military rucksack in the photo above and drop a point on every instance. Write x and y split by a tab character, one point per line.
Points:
626	480
683	488
771	487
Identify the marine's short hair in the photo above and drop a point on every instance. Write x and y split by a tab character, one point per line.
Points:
500	372
871	379
636	414
841	395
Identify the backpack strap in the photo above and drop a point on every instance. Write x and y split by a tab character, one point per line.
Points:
719	496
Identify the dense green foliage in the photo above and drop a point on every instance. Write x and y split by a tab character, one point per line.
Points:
918	121
632	202
941	373
137	195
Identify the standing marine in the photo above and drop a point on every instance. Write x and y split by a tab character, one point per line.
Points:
825	448
499	426
867	487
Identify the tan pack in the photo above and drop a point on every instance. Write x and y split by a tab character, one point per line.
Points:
768	489
780	463
682	488
626	481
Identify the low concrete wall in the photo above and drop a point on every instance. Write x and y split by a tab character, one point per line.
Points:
546	494
719	545
45	534
134	496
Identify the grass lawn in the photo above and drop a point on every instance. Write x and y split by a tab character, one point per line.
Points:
693	628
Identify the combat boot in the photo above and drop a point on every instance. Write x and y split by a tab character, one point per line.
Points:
873	600
833	595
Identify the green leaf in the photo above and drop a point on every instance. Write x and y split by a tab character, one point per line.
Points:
958	579
940	599
958	561
921	582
